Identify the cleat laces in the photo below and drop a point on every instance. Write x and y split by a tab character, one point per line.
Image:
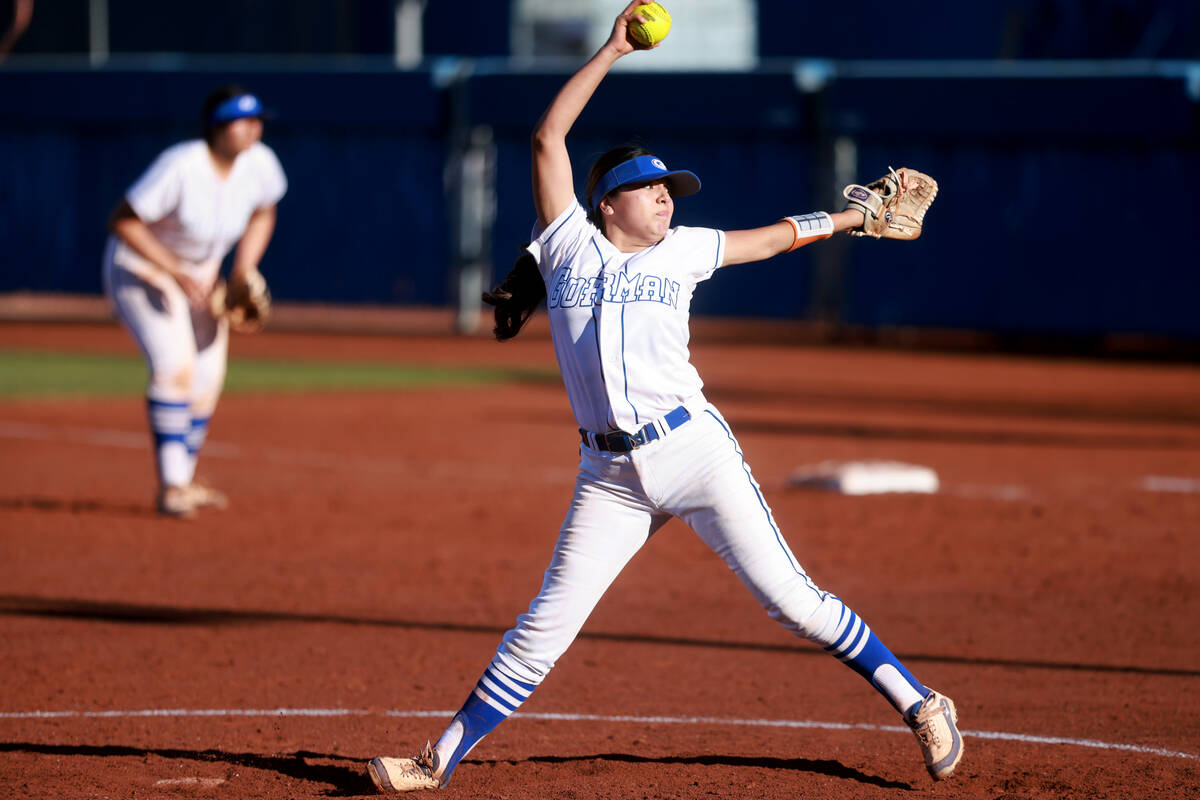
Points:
424	765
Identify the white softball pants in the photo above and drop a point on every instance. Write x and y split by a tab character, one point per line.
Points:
186	349
696	473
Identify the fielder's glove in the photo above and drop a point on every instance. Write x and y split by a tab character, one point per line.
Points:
517	296
245	301
894	206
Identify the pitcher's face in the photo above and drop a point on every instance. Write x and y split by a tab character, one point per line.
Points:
642	211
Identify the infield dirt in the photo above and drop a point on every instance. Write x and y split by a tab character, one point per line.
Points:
380	542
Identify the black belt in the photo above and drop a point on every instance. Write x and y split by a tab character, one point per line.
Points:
622	442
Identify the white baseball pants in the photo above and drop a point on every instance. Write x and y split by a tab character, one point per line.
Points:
696	473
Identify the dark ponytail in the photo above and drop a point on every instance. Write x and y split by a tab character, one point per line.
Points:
517	296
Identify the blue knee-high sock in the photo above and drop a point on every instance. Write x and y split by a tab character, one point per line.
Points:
862	651
494	698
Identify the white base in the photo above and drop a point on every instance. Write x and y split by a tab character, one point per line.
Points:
865	477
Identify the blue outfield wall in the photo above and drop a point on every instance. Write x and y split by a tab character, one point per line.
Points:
363	221
1061	207
1065	203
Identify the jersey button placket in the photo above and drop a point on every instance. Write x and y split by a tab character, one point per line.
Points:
612	355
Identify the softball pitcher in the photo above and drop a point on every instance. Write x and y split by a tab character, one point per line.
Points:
618	283
170	233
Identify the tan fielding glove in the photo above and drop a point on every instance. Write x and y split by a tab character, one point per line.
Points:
894	206
245	302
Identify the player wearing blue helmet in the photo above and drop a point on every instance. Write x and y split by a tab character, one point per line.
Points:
618	280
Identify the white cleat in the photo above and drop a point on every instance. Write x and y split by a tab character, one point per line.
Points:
405	774
207	497
935	724
176	501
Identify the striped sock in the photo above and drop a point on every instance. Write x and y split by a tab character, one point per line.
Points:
861	650
170	424
495	697
197	434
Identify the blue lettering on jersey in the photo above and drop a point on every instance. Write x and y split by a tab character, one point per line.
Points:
571	293
568	291
618	288
554	299
649	288
591	291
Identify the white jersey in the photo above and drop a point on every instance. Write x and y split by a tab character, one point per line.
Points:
620	320
195	213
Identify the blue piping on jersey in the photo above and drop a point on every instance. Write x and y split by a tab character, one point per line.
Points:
564	222
761	501
624	367
637	420
596	318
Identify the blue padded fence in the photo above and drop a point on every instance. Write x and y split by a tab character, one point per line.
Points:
1065	201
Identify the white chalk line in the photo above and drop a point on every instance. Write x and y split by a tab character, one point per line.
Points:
1171	483
620	718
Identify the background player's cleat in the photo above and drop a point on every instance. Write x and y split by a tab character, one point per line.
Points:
207	497
935	723
405	774
176	501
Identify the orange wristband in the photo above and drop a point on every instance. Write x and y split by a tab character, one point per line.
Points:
809	228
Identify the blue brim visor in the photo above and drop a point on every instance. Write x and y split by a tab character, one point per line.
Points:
238	107
644	169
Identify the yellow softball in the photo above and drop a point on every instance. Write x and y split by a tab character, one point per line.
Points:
654	29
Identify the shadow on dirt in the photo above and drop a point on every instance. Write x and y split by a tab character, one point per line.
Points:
138	614
346	781
351	780
78	506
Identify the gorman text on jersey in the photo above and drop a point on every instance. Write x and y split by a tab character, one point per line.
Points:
569	291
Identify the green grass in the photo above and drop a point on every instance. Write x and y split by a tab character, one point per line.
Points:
40	374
